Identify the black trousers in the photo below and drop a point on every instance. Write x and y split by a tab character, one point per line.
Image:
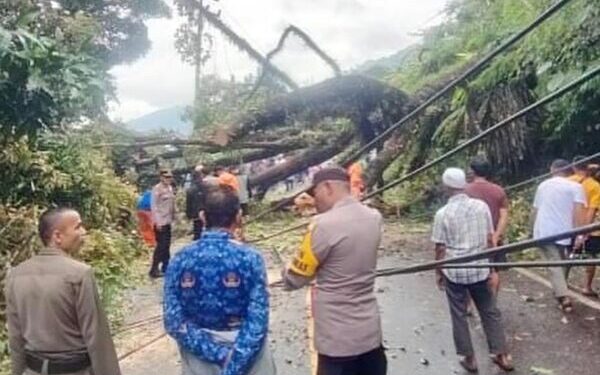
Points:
370	363
197	227
162	251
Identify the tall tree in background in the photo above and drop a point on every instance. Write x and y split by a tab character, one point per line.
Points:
190	39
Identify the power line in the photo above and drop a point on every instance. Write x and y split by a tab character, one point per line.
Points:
548	98
468	73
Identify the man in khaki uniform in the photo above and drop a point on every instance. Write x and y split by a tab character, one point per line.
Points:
340	252
56	324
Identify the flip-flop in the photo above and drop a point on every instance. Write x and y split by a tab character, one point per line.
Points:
566	305
590	293
508	367
468	367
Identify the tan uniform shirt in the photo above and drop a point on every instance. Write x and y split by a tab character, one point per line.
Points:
162	205
340	251
54	311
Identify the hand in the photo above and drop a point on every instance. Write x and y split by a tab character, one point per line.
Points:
496	237
439	280
578	245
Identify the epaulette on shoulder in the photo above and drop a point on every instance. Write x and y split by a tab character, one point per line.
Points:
236	242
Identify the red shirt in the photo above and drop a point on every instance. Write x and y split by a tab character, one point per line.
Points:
493	195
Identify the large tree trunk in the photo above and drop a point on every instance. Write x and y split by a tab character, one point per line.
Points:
354	97
315	155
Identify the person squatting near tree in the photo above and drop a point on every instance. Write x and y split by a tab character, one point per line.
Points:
163	215
339	251
194	201
464	227
558	207
590	244
216	302
56	324
497	201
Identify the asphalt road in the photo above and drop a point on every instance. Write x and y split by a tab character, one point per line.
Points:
417	327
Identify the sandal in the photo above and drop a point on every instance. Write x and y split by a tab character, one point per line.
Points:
504	361
590	293
467	366
565	304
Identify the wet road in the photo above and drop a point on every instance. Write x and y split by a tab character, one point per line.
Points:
417	328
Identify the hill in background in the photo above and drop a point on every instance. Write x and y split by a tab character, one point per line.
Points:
168	119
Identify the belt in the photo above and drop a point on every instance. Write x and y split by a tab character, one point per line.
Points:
55	366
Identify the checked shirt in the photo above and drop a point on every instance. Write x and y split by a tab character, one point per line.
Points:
463	226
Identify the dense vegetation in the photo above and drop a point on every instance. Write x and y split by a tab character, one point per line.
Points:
54	84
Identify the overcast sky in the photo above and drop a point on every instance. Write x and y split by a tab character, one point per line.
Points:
351	31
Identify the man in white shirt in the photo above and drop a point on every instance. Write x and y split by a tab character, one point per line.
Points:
558	207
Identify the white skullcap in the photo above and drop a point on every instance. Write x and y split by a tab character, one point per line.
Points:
454	178
199	168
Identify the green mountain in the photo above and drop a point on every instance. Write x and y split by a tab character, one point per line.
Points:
167	119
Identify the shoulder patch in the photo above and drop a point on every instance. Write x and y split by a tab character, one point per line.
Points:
305	263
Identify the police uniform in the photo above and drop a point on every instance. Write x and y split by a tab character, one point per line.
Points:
216	306
340	252
56	324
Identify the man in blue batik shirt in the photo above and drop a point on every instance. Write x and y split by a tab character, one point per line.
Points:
216	301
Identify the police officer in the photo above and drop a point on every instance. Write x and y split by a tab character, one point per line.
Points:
163	215
56	324
340	252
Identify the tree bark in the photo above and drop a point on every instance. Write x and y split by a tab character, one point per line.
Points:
314	155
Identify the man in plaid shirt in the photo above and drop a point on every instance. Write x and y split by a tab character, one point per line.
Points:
464	227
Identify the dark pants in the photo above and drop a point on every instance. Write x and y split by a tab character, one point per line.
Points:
491	319
162	252
370	363
197	226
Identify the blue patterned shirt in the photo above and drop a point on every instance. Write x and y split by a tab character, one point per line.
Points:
218	284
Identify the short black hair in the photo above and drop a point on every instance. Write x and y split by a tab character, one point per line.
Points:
561	165
481	167
578	165
222	205
48	221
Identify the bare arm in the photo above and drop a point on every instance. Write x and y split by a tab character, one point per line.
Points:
579	216
440	253
502	225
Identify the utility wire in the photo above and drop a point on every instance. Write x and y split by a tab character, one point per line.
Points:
574	84
468	73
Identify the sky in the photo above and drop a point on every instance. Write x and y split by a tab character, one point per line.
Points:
350	31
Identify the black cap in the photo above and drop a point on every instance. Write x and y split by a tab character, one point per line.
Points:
329	174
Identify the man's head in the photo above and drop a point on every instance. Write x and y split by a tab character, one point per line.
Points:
166	177
199	173
560	167
329	186
454	180
222	208
220	170
480	167
581	167
61	228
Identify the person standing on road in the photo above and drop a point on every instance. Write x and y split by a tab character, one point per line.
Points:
340	252
244	193
559	206
163	215
497	201
216	302
464	227
56	324
591	243
144	214
194	202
